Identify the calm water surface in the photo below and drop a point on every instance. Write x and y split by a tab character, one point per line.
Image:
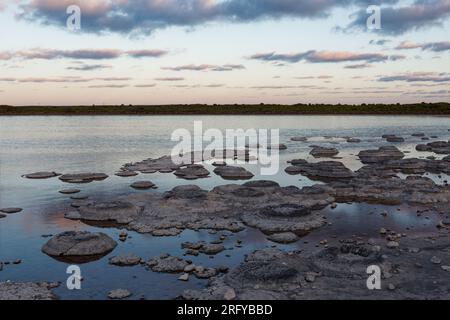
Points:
105	143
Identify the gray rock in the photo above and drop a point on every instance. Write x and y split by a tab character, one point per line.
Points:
11	210
41	175
167	264
299	139
286	237
192	172
322	152
72	244
233	173
125	261
143	185
118	294
26	291
69	191
381	155
126	173
82	177
118	211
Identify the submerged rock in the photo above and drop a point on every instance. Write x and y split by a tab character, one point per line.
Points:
77	244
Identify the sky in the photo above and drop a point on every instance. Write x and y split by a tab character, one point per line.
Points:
224	52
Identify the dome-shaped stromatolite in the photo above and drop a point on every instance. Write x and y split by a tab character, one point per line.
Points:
380	155
82	177
41	175
192	172
121	212
322	152
233	173
72	245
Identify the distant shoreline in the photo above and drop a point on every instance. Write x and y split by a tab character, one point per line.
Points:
432	109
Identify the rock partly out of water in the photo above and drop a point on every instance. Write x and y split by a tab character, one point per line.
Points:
69	191
119	294
439	147
299	139
27	291
322	152
2	215
395	139
167	264
164	164
287	237
353	140
233	173
41	175
83	177
117	211
206	248
192	172
381	155
126	173
143	185
125	261
280	146
323	171
73	244
11	210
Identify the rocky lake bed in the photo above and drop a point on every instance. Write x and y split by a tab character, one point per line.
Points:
142	227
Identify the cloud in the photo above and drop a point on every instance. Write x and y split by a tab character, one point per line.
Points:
431	46
380	42
145	16
418	77
108	86
398	20
205	67
147	53
81	54
358	66
322	57
170	79
66	79
145	85
89	67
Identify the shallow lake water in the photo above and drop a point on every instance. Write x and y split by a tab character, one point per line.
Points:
105	143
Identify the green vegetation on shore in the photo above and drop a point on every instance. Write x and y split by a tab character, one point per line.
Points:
442	108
